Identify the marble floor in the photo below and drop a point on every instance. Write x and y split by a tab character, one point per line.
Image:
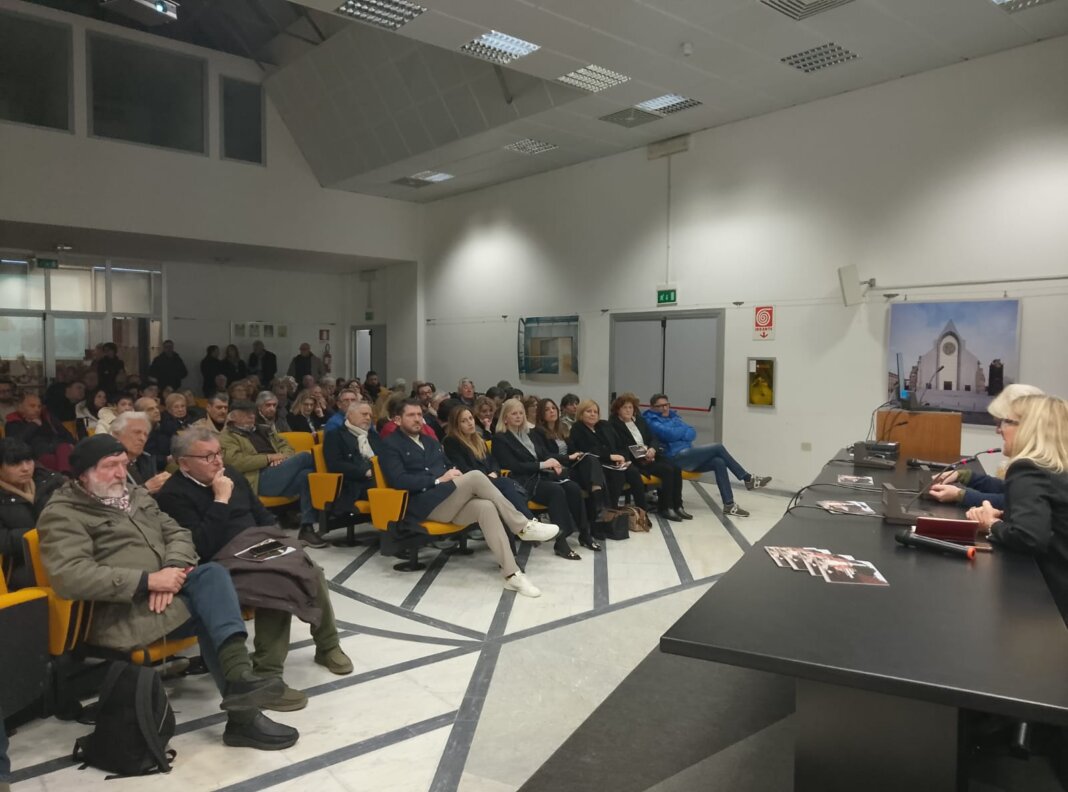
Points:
458	684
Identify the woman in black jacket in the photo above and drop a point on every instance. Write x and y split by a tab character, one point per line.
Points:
467	451
210	368
539	471
24	491
233	366
594	436
306	415
632	430
582	468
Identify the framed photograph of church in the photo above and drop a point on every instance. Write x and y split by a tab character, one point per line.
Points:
953	355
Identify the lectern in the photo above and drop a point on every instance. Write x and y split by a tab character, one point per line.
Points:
924	434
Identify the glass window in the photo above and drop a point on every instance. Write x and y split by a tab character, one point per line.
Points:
20	286
146	95
73	288
131	290
75	340
242	115
35	71
22	350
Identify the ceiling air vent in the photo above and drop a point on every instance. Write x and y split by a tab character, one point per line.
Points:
530	146
1012	6
803	9
631	117
817	58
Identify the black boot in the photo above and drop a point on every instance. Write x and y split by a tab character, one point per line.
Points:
669	514
259	732
681	512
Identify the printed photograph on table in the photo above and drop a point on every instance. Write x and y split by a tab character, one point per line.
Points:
548	348
760	382
953	355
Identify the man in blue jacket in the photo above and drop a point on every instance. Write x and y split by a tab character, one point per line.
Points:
677	437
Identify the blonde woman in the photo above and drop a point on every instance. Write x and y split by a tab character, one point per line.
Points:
467	451
306	414
594	436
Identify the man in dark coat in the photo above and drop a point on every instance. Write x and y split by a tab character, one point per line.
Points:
168	368
49	440
24	490
217	504
262	363
348	450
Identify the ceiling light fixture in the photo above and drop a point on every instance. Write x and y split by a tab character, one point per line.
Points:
531	146
817	58
593	78
498	47
431	176
798	10
1012	6
667	104
387	14
631	117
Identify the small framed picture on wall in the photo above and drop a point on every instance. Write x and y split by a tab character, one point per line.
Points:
760	382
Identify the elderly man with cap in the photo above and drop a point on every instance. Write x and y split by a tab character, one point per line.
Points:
107	542
225	517
270	464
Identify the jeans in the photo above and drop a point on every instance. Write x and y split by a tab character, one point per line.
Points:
288	479
713	458
216	614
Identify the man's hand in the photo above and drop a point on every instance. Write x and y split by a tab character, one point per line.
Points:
222	486
945	493
159	600
449	475
946	478
167	581
650	453
274	460
155	484
986	515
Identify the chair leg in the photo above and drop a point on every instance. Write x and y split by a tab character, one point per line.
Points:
461	546
412	564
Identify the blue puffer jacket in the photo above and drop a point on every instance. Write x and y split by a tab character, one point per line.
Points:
675	434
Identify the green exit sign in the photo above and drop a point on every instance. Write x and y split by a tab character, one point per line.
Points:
44	263
666	297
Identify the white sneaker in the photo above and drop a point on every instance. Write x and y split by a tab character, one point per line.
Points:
519	583
537	531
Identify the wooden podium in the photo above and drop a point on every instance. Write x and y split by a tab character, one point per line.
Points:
923	435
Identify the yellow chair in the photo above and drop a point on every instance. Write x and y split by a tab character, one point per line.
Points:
72	427
691	475
301	441
24	650
202	403
325	488
389	505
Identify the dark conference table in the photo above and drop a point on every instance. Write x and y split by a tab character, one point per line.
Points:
884	671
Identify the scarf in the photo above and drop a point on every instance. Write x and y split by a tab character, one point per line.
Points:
120	502
362	441
29	493
524	438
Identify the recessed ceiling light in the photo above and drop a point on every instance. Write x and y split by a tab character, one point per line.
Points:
13	261
667	104
499	47
530	146
822	57
593	78
1012	6
630	117
431	176
388	14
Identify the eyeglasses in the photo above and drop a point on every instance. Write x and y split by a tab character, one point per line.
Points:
661	405
1000	422
209	458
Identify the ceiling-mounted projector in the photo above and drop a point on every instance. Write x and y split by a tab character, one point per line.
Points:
147	12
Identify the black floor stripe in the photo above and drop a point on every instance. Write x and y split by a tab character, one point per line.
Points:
376	743
355	564
732	529
430	621
421	587
685	576
353	628
600	576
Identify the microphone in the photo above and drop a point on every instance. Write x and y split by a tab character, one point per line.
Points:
907	538
941	476
897	514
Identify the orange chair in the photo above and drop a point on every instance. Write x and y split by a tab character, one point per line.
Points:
389	505
24	650
325	488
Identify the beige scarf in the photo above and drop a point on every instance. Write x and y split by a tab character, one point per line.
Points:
30	493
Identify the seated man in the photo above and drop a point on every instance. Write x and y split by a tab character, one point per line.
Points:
678	436
218	409
159	443
219	508
412	461
348	450
345	399
50	441
24	490
132	429
109	543
270	464
61	402
267	412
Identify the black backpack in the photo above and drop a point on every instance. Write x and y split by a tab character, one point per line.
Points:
134	722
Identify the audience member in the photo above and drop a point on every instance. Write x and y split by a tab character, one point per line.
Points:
308	382
54	393
416	463
569	409
465	392
192	410
87	411
424	392
530	404
210	368
108	413
168	369
394	405
108	367
106	542
328	385
225	517
306	415
267	412
494	393
50	441
150	391
262	363
513	393
9	401
485	410
305	364
593	436
678	436
233	366
270	464
345	399
348	450
539	470
218	409
24	490
175	416
632	430
62	404
372	386
239	391
132	430
584	469
158	444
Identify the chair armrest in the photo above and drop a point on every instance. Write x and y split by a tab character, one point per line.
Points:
324	488
387	505
15	598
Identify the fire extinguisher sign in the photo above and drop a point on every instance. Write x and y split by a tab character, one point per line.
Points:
764	323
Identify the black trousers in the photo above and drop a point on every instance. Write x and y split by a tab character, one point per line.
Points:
615	479
589	475
670	476
563	500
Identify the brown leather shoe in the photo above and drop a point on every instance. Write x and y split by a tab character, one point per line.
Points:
335	660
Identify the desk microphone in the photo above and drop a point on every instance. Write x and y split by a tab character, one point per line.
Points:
907	538
941	476
897	514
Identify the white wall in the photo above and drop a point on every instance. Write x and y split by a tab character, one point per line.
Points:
954	175
393	299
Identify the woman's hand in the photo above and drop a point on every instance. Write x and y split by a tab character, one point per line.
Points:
617	458
986	515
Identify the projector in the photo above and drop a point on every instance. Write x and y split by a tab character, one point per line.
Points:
147	12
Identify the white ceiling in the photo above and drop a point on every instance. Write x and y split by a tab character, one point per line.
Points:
369	107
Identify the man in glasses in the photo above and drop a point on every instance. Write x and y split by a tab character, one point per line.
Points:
225	516
677	436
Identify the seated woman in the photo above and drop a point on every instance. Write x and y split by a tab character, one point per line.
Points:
593	436
632	430
530	404
538	470
108	413
467	451
485	410
175	416
678	436
87	413
583	469
979	486
24	490
306	415
1035	518
192	410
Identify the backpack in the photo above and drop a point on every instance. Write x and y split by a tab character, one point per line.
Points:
134	722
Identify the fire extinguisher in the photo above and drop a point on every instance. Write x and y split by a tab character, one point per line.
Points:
327	358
